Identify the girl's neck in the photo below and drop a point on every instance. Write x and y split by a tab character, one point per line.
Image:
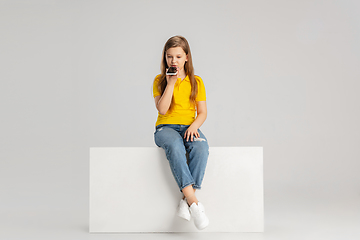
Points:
182	74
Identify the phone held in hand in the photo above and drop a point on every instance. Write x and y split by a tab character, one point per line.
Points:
171	71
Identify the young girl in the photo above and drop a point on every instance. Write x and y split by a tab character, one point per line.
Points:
177	98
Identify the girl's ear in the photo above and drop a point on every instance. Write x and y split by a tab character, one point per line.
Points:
186	58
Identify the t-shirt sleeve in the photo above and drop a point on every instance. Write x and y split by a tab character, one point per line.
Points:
201	96
155	86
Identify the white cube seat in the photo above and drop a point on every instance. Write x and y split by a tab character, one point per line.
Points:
132	190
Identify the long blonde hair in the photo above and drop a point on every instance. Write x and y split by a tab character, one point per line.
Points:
178	41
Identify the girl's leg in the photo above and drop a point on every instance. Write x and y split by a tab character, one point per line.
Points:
171	141
189	193
184	195
198	155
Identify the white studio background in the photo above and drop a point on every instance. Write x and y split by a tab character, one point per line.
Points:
279	74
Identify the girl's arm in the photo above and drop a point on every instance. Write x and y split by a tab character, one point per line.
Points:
163	102
200	119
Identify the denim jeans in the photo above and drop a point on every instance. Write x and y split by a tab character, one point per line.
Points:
186	171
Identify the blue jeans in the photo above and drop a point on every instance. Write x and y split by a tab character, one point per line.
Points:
189	171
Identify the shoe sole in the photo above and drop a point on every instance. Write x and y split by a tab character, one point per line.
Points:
188	218
204	225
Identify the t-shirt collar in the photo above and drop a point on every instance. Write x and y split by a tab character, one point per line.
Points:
186	79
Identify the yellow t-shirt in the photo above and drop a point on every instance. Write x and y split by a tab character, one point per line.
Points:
183	112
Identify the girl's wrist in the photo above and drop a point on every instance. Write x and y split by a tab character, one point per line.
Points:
170	84
195	125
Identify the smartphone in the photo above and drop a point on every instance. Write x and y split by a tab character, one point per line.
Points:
171	71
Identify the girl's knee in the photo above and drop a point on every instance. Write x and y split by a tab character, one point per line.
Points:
201	148
167	138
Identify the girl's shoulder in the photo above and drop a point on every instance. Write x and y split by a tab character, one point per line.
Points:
198	78
157	78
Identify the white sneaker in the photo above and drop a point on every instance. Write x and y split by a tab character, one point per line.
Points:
198	213
183	210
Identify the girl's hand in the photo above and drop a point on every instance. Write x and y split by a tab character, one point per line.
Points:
171	79
190	133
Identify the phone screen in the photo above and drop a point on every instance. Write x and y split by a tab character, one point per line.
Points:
171	71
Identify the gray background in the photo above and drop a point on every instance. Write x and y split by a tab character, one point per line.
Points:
279	74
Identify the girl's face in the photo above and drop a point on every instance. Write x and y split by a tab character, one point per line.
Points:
176	57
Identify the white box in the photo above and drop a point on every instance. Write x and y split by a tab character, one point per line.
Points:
132	190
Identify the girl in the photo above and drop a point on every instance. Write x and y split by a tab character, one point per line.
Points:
177	130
